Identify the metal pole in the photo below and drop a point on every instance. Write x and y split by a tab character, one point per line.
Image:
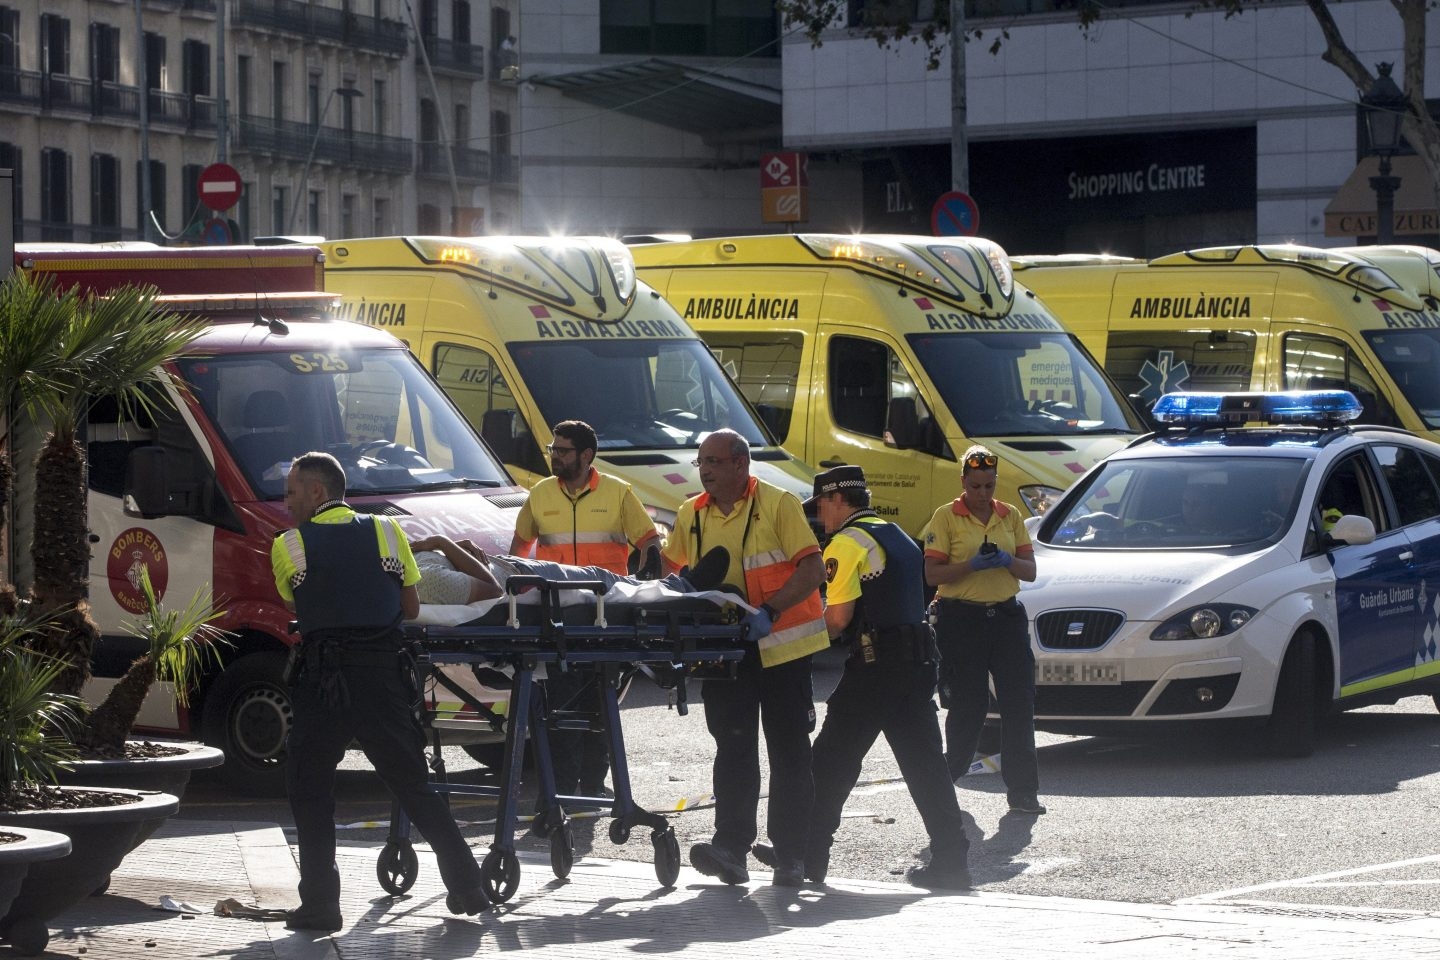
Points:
959	144
147	230
309	159
1384	187
440	116
222	112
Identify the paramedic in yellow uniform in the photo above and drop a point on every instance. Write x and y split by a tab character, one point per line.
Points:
775	560
582	517
976	553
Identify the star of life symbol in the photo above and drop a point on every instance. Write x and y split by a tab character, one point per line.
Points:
1163	377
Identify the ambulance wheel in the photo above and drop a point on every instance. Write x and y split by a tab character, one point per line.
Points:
500	875
247	715
397	867
1290	731
667	856
562	851
619	832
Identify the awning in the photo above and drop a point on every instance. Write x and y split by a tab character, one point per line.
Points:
1352	212
674	95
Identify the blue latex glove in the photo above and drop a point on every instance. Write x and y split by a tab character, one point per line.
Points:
1001	558
983	561
759	625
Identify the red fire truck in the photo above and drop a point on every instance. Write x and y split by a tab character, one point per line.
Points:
196	493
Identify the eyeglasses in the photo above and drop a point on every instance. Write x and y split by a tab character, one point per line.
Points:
555	451
981	461
710	461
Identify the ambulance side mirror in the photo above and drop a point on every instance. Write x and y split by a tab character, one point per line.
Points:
1351	529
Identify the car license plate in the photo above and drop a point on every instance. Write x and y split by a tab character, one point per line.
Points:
1076	671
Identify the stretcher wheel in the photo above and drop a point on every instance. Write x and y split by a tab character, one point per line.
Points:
397	867
667	856
619	832
500	875
562	851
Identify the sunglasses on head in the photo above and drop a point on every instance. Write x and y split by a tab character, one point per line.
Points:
981	461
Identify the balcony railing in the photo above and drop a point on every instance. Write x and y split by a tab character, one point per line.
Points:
379	35
290	140
471	165
457	57
104	98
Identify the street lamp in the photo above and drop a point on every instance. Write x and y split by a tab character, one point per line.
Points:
349	93
1385	107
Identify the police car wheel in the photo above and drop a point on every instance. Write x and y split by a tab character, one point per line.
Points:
1290	731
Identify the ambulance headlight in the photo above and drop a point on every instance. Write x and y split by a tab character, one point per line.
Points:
1203	622
1038	497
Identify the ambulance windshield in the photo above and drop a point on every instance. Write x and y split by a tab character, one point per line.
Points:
1022	384
390	426
1412	357
637	394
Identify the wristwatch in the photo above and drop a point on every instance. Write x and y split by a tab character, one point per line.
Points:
770	612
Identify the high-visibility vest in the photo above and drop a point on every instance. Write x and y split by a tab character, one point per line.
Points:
586	530
800	631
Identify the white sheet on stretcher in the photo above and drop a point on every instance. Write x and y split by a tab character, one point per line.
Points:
648	592
447	709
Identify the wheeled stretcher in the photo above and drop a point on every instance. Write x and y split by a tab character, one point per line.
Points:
675	636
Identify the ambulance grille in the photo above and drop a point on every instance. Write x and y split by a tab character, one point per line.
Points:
1077	629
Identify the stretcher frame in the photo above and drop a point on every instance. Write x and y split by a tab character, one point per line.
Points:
674	642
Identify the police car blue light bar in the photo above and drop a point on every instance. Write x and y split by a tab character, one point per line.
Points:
1315	407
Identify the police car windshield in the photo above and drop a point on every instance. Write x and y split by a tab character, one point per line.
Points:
637	394
1022	384
1170	503
1412	357
390	426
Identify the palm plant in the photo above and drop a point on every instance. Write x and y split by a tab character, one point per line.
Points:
110	346
181	644
31	317
36	723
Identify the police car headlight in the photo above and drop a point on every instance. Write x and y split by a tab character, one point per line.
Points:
1038	497
1209	620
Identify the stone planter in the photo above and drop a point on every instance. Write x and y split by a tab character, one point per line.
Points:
100	837
165	774
17	856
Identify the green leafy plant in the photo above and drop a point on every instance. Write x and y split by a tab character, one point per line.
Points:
183	643
37	724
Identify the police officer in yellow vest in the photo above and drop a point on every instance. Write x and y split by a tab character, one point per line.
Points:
582	517
350	579
875	603
774	555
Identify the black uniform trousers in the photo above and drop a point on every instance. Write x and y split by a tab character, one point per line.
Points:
895	698
780	700
978	641
580	758
379	713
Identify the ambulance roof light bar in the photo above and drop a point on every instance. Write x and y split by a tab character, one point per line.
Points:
1308	407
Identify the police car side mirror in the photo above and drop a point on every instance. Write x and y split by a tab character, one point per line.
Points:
1351	529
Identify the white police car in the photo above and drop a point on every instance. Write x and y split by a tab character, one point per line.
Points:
1223	570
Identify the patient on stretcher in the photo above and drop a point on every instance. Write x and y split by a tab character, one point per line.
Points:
461	573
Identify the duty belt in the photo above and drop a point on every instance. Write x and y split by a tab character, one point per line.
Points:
906	643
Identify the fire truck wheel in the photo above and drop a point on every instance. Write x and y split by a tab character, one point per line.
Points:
500	875
247	715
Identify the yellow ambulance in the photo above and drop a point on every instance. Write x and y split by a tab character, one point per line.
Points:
1262	317
896	353
524	332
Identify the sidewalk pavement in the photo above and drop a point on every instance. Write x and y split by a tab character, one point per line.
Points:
611	908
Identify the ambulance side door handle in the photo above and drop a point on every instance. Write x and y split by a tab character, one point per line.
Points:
827	464
1407	555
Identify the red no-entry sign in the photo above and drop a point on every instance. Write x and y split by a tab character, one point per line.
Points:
219	187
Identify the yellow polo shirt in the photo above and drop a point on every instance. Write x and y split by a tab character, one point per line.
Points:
955	534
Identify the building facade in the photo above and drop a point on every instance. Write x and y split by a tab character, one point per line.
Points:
342	118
